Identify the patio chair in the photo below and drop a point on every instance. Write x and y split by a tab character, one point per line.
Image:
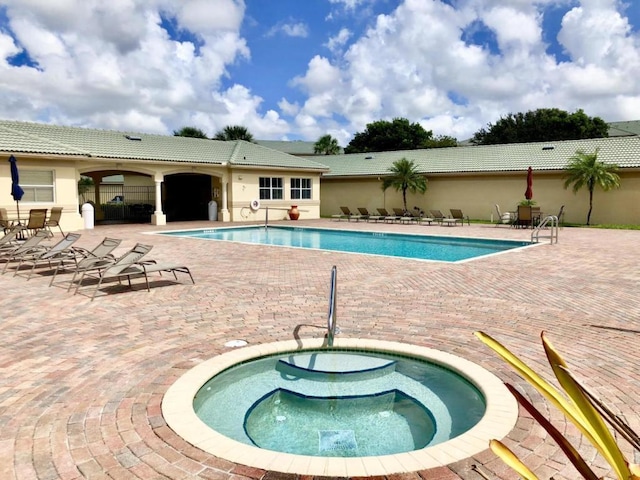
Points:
457	214
81	258
504	218
36	222
39	255
54	220
5	223
524	219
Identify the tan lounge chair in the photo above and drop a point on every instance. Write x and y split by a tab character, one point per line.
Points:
388	217
439	217
350	215
130	265
457	214
48	255
365	215
81	258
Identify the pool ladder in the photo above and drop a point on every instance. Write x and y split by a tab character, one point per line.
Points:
331	319
552	223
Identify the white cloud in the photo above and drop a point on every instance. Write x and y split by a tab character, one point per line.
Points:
337	42
112	65
290	29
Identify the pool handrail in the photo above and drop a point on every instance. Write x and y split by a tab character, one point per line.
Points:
331	319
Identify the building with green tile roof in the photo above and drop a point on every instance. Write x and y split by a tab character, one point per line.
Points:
183	175
178	178
476	178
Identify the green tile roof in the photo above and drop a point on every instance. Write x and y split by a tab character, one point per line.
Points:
624	151
620	129
37	138
294	147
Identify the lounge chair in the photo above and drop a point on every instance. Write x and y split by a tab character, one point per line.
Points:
39	255
387	216
404	216
440	217
365	215
9	240
10	254
54	220
418	214
81	258
130	265
457	214
350	215
104	268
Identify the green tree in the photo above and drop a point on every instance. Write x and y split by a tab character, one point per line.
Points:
326	145
404	176
189	132
542	125
234	132
385	136
442	141
584	169
84	185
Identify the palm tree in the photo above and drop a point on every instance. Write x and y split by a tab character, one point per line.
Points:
326	145
404	176
189	132
234	132
584	169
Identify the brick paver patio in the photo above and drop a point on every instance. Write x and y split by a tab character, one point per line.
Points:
82	382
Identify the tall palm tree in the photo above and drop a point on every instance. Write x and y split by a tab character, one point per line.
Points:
234	132
584	169
189	132
326	145
404	176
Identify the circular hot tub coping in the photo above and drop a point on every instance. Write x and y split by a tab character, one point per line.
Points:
499	419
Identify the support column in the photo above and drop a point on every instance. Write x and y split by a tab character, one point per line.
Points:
158	218
224	210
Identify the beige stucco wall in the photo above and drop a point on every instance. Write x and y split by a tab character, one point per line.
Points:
245	187
65	191
242	186
477	195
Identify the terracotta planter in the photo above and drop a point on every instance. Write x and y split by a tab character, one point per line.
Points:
294	214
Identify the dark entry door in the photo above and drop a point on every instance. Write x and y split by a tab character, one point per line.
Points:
187	197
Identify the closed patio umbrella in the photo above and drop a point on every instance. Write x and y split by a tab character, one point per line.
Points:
16	190
528	194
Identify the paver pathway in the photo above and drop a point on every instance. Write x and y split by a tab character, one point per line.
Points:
81	382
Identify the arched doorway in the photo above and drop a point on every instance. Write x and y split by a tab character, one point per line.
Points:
187	196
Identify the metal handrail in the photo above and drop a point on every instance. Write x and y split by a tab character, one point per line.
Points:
553	229
331	319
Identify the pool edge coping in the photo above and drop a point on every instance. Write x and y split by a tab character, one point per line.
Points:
499	419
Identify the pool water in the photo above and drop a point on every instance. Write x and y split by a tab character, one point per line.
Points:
339	403
423	247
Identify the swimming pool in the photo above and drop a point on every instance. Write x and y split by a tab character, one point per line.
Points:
421	247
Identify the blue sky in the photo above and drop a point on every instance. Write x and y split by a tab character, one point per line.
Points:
293	69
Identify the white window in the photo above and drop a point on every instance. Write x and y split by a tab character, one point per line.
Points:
37	185
271	188
300	188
